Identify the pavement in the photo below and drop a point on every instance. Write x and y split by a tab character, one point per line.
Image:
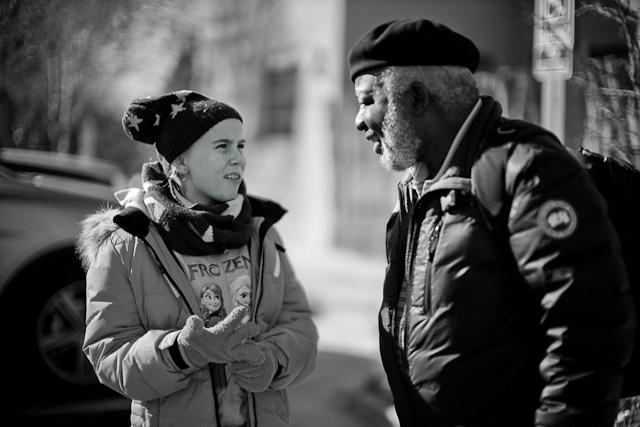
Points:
344	289
348	387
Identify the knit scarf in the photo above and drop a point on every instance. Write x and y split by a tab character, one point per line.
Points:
199	229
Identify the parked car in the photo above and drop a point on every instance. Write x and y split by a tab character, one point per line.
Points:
43	196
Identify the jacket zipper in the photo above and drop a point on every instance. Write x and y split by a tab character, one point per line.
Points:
433	243
415	223
172	284
414	227
251	401
402	218
178	292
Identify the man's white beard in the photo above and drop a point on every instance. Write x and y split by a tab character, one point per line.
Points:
401	143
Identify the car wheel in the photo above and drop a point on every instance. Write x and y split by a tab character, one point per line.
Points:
43	316
60	333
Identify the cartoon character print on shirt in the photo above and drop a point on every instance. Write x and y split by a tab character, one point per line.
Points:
220	282
212	303
241	293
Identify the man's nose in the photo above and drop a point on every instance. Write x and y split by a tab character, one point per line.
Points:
359	122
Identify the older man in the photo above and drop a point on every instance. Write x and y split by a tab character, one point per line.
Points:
506	301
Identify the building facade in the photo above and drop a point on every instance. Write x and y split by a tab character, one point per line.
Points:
283	63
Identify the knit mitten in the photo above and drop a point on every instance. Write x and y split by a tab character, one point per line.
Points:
225	342
256	377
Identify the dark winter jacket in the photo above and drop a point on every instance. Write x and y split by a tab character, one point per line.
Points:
518	309
134	316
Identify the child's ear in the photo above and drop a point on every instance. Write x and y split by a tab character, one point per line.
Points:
180	165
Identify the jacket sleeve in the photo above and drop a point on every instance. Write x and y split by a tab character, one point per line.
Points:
125	356
568	252
293	335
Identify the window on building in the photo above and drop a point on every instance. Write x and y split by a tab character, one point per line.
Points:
278	100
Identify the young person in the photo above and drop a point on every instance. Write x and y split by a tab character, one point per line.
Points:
183	238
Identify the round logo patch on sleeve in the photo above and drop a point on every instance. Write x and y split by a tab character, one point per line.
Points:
557	219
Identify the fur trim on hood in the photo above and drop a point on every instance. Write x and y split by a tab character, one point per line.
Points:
98	227
94	231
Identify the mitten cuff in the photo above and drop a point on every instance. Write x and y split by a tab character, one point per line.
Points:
176	354
170	344
192	331
193	357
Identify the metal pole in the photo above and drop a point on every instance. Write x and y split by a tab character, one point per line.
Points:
553	106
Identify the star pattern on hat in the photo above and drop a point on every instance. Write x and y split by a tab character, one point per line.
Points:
175	109
182	95
133	121
157	122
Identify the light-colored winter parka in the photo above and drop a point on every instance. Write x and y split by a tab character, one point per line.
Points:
134	316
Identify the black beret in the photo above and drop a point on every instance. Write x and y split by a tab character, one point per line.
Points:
412	41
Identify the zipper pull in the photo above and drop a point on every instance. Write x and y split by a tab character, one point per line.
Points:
433	239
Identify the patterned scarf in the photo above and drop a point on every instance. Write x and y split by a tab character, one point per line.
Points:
199	229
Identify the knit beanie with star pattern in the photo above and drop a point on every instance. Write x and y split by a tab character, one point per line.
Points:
174	121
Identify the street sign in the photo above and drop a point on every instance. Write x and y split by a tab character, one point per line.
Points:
553	40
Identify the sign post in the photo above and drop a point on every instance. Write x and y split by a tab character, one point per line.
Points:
553	39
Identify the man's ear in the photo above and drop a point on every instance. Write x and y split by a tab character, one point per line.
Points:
419	97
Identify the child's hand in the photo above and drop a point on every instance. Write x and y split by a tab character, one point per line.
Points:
227	341
256	377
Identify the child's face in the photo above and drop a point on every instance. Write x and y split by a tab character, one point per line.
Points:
216	164
211	300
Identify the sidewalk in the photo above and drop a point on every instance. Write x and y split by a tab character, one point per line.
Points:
348	387
345	290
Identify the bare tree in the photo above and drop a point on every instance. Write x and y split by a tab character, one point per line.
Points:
58	60
612	86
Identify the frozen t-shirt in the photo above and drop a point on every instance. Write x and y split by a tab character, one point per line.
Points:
221	283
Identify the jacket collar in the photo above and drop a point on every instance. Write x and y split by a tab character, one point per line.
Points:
419	172
487	117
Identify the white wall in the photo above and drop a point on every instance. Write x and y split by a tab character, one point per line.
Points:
298	171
